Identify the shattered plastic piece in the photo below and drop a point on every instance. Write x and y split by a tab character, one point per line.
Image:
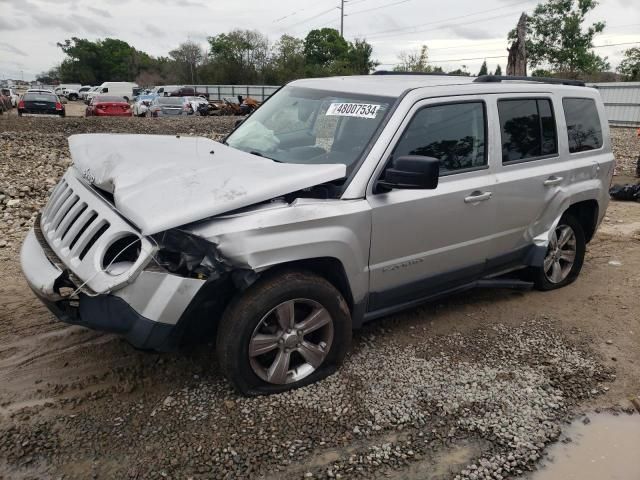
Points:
615	263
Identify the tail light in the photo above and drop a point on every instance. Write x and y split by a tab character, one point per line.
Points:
125	107
100	106
21	104
58	106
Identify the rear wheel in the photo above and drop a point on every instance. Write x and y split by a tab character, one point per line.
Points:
565	256
284	332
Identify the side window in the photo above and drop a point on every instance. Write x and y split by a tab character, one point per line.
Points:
105	90
583	124
453	133
528	129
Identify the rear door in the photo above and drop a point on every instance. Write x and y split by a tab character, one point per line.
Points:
427	241
536	169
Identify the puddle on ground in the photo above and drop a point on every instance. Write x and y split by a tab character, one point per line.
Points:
604	449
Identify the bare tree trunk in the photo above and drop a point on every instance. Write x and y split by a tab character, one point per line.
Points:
517	62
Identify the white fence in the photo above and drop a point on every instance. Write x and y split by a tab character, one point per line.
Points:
621	101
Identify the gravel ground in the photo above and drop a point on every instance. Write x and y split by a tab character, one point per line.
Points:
626	148
473	387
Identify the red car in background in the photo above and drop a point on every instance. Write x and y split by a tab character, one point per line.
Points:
108	106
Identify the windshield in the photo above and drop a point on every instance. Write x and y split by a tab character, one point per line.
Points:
302	125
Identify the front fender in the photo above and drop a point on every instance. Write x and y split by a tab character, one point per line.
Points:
303	230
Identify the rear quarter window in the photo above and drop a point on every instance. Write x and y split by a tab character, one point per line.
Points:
584	130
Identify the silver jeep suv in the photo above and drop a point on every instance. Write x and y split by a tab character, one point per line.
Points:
339	201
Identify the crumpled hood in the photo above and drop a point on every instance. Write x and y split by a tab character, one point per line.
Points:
160	182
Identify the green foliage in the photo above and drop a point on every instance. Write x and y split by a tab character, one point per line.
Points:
460	71
110	59
325	46
629	67
416	61
187	57
556	39
498	70
236	57
483	69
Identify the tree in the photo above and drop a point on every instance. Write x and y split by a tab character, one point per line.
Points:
50	77
324	46
188	57
359	56
237	57
94	62
629	67
556	39
498	70
416	61
460	71
483	69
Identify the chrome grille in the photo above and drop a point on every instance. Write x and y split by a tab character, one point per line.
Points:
78	225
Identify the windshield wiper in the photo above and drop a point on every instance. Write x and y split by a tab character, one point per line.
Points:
259	154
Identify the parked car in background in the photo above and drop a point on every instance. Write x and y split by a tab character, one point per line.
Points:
82	90
170	107
86	96
186	92
164	90
196	103
5	103
142	104
13	96
41	104
120	89
7	100
108	106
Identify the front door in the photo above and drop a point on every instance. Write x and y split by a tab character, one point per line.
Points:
427	241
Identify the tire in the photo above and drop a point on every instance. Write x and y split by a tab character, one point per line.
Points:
549	276
73	97
257	312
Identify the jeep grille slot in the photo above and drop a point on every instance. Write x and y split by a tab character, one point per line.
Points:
104	225
71	219
81	227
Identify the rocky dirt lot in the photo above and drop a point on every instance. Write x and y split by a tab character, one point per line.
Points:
476	386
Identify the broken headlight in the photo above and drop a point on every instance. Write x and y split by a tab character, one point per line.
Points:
187	255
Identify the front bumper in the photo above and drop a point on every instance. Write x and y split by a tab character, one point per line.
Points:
145	312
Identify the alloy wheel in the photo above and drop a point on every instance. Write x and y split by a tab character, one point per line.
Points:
561	254
291	341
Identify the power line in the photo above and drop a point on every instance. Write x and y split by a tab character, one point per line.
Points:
312	17
451	18
505	56
377	8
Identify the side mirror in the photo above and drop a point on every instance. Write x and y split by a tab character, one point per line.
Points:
412	172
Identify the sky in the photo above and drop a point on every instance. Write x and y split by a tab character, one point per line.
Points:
456	31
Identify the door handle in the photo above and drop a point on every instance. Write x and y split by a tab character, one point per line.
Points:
553	180
477	196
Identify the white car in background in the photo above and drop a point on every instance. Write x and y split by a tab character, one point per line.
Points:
142	104
89	94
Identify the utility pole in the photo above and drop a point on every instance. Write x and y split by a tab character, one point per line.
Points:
342	18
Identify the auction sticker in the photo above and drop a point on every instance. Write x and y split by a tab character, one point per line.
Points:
361	110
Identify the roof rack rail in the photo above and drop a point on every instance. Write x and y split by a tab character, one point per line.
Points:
437	74
557	81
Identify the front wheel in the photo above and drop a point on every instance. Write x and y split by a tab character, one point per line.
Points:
565	256
286	331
